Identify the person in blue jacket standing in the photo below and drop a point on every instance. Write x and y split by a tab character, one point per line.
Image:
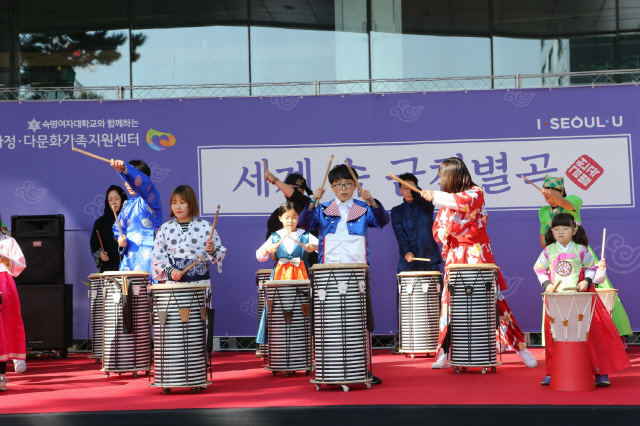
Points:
412	223
343	226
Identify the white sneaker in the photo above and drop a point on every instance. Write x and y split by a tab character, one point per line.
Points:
3	383
528	358
19	365
441	362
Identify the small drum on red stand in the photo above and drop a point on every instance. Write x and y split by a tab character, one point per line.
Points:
342	345
126	339
473	293
288	326
419	311
609	297
262	276
570	317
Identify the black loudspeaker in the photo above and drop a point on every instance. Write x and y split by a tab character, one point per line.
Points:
47	313
41	239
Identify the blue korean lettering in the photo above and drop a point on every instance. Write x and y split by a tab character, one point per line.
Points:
537	175
494	188
488	167
257	179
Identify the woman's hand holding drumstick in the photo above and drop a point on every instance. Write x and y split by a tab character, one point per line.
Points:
213	228
209	246
122	239
198	260
366	195
103	254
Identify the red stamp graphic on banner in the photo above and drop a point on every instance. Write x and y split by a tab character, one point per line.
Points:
584	172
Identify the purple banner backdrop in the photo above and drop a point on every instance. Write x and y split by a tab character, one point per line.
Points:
585	132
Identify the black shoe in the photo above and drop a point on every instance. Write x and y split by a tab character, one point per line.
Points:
602	381
374	380
396	350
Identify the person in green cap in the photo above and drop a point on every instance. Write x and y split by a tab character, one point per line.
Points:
559	202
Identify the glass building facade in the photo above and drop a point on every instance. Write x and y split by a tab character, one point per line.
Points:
89	43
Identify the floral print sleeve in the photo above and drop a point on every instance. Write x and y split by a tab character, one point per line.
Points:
471	219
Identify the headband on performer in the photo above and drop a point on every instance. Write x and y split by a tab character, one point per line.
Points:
553	182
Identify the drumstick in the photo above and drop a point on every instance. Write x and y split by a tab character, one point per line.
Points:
198	260
325	178
353	176
90	155
299	243
604	238
215	220
117	221
405	183
422	258
555	287
571	288
264	164
100	239
531	183
282	239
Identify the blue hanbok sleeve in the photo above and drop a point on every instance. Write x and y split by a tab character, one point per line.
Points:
143	186
309	218
377	217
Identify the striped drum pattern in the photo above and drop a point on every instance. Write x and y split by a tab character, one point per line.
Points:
288	326
341	339
473	293
179	323
419	311
123	352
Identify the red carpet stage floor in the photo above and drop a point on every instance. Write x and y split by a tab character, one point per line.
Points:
76	384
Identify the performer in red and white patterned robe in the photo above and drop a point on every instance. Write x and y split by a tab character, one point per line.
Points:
461	228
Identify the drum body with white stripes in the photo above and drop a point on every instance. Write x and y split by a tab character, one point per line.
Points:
419	311
473	300
97	315
179	326
341	340
126	350
262	276
288	326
